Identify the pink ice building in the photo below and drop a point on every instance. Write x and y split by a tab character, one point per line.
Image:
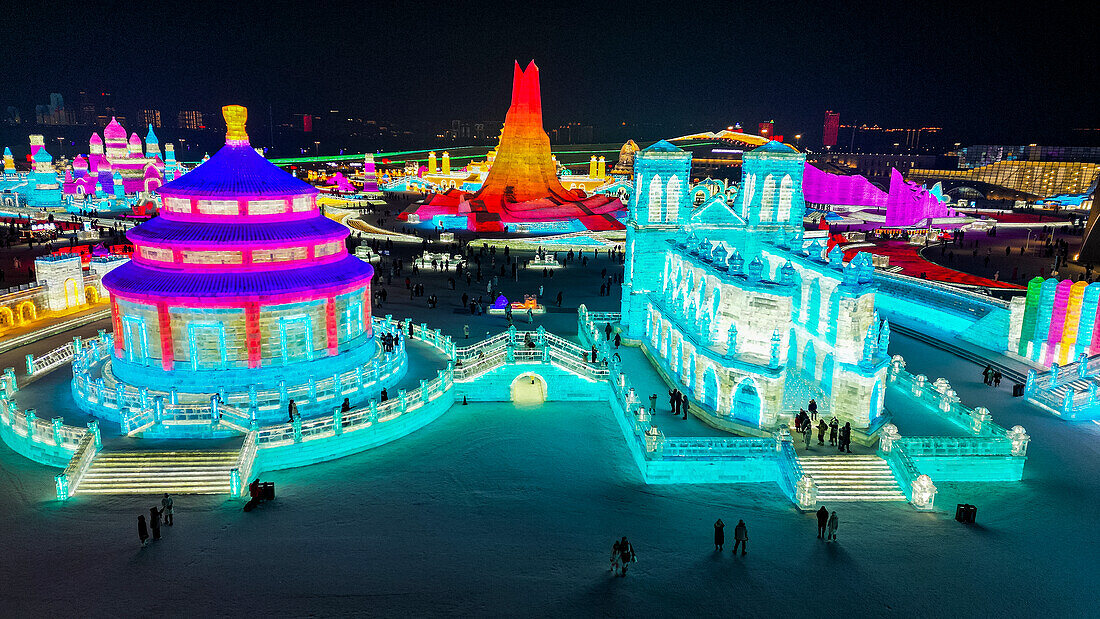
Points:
115	160
906	203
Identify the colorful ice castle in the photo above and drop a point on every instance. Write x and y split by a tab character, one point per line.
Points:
117	166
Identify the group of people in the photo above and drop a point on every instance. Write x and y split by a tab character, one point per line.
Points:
826	524
991	377
679	403
389	340
622	555
155	519
740	536
839	436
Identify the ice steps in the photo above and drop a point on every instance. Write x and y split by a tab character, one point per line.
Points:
156	472
852	478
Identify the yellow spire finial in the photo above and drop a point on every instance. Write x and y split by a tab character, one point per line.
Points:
235	117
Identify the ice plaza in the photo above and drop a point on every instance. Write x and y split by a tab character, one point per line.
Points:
475	451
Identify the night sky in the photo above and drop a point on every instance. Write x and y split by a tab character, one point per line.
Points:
986	71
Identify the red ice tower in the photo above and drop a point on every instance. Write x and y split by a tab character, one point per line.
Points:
522	186
523	170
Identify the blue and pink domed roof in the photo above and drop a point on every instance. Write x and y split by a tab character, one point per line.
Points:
237	204
237	171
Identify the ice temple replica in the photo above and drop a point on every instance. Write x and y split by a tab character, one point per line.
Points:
736	307
239	287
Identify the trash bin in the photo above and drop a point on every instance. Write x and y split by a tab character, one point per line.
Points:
1017	390
269	490
965	513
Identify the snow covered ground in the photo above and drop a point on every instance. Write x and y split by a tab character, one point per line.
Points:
498	510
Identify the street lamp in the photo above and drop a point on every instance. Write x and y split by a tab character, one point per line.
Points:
59	145
316	148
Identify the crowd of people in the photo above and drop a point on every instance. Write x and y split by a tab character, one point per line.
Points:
839	436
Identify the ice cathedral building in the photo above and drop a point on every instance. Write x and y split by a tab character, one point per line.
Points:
735	305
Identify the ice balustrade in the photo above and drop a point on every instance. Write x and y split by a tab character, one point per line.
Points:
241	473
512	346
1070	390
900	453
795	483
85	452
334	388
28	425
941	296
942	400
894	449
717	447
66	353
358	418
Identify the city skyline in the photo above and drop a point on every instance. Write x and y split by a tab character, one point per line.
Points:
906	69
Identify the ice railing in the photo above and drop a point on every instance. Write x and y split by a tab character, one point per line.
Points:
795	483
126	398
716	447
58	356
943	401
897	452
241	473
29	426
137	420
302	430
89	445
65	353
1055	389
987	438
513	346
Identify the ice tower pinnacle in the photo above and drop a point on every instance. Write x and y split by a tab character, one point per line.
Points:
235	117
524	169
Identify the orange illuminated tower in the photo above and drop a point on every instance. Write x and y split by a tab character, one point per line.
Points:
523	170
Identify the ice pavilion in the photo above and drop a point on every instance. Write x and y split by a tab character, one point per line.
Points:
240	284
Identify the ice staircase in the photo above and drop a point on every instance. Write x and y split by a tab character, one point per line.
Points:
157	472
852	478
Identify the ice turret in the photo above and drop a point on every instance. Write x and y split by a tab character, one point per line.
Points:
731	341
719	255
736	263
755	271
133	147
152	144
884	338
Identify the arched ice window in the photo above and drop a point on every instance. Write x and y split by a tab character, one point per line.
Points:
654	210
672	201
